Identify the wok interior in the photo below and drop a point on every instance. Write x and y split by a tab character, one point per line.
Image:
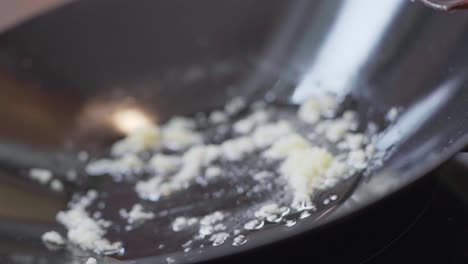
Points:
64	73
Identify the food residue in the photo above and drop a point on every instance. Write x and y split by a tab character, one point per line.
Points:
302	153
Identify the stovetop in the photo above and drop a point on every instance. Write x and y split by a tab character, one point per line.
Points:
425	223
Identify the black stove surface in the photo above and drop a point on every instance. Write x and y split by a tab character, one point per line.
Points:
425	223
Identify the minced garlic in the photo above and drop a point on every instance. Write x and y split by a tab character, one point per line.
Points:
287	145
139	140
304	170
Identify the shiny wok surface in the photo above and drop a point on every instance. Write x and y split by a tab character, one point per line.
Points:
62	70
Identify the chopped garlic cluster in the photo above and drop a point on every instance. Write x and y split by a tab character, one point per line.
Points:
305	169
136	215
140	139
84	231
306	166
315	107
287	145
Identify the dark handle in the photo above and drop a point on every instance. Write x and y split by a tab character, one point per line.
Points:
446	5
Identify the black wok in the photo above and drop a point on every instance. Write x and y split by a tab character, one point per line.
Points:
62	72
